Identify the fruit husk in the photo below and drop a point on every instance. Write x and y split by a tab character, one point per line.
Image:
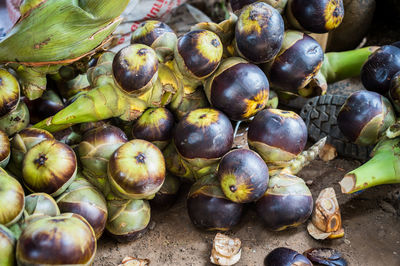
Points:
168	193
7	247
187	99
226	250
65	239
40	204
16	120
209	208
49	167
326	219
81	27
11	192
176	165
5	149
84	199
127	219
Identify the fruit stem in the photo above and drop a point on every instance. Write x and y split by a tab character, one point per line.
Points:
342	65
382	168
304	158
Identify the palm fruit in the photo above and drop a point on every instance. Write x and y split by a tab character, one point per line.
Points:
158	36
5	150
365	117
24	141
127	219
259	33
243	175
13	197
238	88
286	257
135	69
84	199
95	150
288	74
35	47
16	120
67	239
9	96
201	138
377	72
136	170
278	136
7	247
317	16
286	203
154	125
49	167
209	208
197	55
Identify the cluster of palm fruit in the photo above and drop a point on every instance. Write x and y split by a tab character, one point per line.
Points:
116	133
370	117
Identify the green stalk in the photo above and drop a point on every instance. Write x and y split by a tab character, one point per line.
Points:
382	168
105	100
342	65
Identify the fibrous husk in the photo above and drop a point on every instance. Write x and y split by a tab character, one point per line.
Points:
226	250
131	261
326	220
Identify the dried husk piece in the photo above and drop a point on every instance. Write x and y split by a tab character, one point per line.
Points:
226	250
326	220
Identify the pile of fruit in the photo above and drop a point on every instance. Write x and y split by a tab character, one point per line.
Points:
97	138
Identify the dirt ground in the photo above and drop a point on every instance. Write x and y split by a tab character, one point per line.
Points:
372	228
